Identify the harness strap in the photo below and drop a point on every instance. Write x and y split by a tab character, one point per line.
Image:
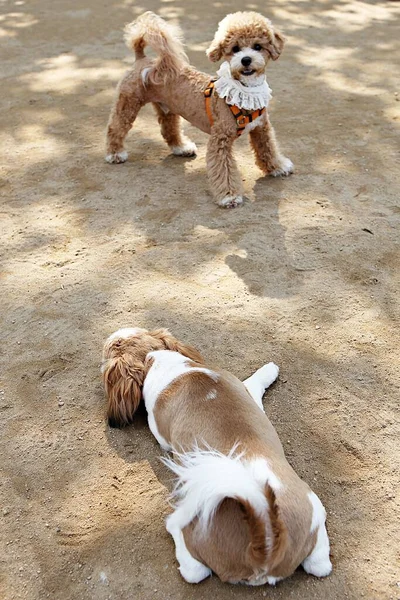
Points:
242	119
207	95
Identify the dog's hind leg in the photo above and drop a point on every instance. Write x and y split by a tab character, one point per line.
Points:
222	170
260	381
122	116
171	131
191	569
318	562
268	156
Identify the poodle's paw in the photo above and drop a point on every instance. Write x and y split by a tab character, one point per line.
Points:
187	149
284	169
117	157
230	201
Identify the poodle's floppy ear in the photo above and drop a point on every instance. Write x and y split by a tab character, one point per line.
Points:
123	378
214	52
275	46
175	345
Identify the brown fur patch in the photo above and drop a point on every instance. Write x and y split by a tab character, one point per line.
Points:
279	534
171	343
123	380
258	549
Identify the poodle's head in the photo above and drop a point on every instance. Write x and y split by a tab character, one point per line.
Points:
247	40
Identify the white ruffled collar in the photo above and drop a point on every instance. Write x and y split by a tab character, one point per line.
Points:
234	92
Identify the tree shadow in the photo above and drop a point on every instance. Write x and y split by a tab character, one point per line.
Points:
250	285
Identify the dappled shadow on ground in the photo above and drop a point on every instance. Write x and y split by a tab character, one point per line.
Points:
304	274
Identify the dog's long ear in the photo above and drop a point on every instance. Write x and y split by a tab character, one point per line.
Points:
272	546
123	378
275	47
171	343
215	51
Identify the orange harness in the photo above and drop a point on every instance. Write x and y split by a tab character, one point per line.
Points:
242	118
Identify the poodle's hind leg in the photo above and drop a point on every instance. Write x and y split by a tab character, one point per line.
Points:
223	173
123	114
171	131
268	156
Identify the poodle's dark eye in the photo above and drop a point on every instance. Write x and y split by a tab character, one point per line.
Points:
236	49
257	47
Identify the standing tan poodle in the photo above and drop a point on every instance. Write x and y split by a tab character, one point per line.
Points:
233	103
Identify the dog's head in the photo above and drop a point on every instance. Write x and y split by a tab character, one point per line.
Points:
124	368
247	40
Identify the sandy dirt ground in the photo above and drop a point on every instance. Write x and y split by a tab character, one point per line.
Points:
306	274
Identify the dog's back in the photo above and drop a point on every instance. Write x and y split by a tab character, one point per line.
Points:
261	523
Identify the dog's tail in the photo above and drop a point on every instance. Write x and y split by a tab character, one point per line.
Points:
207	477
165	39
123	376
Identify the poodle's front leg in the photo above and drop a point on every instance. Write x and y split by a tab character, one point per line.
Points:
122	116
268	156
222	170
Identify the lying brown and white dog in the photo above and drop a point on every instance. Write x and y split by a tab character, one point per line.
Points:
241	510
236	102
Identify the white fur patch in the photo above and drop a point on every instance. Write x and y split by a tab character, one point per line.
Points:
117	157
262	473
206	477
319	512
230	201
212	394
125	333
191	569
187	149
318	562
260	381
285	168
167	366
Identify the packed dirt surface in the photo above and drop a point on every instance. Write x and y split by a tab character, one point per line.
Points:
306	274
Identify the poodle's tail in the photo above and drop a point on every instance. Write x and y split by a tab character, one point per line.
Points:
165	39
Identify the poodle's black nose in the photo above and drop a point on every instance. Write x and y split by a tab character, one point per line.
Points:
246	61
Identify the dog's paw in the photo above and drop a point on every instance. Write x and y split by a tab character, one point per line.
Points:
230	201
117	157
269	374
318	568
193	571
187	149
284	169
